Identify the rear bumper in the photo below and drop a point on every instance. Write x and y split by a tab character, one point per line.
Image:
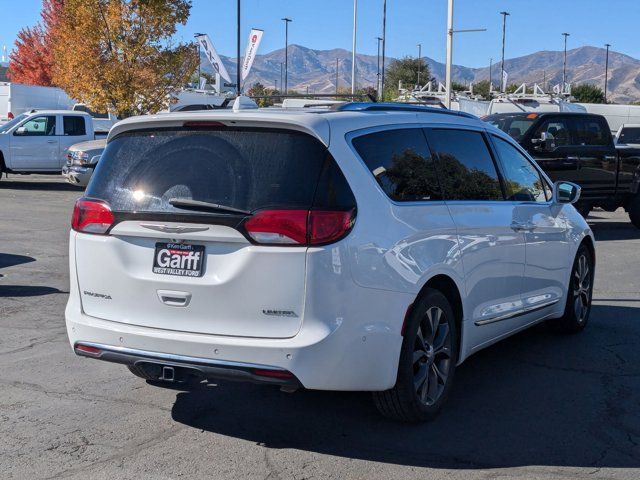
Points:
349	357
155	364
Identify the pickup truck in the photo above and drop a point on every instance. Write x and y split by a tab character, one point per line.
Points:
82	159
37	141
579	147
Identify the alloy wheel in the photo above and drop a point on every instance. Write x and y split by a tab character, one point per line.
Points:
432	356
581	288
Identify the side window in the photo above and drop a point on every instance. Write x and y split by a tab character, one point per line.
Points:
558	130
522	181
590	131
401	163
38	126
465	166
74	125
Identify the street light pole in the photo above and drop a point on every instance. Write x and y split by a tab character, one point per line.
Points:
353	52
419	62
606	72
281	75
449	54
286	53
564	65
337	60
504	37
450	32
379	39
238	52
384	44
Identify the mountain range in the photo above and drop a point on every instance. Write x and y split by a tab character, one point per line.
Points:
316	70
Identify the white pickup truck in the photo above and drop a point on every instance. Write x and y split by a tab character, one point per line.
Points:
37	141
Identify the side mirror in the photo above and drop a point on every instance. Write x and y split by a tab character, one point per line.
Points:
21	131
545	143
95	159
566	192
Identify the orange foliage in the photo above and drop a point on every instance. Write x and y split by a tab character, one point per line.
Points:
32	59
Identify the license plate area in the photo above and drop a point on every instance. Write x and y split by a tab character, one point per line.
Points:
179	259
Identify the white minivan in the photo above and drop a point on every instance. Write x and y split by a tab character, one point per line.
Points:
367	247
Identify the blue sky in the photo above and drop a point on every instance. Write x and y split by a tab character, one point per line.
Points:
324	24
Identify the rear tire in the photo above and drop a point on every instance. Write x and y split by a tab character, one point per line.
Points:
634	210
579	295
427	362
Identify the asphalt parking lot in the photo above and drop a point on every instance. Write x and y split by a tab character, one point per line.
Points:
537	406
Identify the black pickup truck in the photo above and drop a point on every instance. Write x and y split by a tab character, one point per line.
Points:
579	147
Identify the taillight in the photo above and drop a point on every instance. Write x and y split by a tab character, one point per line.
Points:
298	227
91	216
10	115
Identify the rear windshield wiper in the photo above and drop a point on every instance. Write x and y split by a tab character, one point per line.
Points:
189	204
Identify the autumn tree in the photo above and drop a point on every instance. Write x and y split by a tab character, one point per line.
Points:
32	60
117	55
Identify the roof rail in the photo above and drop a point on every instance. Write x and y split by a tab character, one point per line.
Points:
398	107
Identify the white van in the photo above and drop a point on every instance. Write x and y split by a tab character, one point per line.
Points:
16	98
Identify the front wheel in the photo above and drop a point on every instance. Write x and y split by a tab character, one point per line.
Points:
579	295
427	362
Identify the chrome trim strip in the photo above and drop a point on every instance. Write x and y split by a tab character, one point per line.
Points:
173	229
517	313
176	358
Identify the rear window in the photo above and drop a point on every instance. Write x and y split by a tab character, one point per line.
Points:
630	135
247	169
516	126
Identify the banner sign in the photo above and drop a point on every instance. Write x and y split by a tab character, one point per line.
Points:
212	56
255	37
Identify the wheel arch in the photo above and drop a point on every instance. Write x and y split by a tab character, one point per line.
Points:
448	287
3	166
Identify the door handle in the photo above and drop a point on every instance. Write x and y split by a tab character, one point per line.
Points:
51	141
573	159
522	226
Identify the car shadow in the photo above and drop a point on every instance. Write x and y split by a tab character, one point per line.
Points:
606	231
537	398
51	185
10	260
26	291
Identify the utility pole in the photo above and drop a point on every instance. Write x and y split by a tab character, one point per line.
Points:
449	54
353	52
286	53
490	72
337	60
564	65
504	37
238	52
276	82
384	42
281	75
606	72
419	62
379	39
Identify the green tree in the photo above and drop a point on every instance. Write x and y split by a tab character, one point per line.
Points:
404	70
587	93
458	87
512	87
259	90
482	88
